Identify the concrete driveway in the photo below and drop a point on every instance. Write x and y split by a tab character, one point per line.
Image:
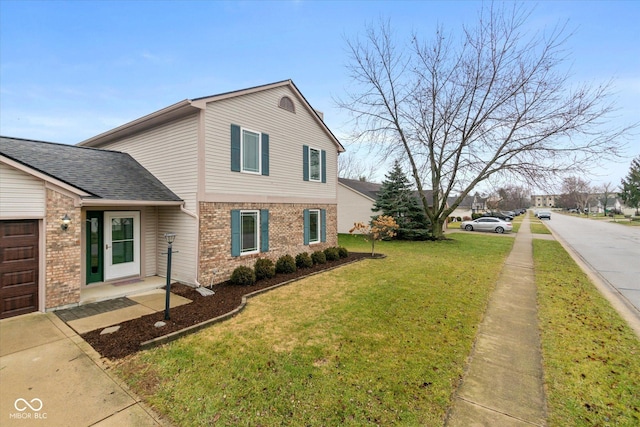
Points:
50	376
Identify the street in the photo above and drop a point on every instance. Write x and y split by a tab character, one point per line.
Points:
611	251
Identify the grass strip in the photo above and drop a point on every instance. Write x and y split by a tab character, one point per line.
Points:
591	357
379	342
537	227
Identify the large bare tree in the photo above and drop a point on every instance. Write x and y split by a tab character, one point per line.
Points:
576	193
494	102
352	167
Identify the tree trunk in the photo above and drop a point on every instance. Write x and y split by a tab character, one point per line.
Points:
437	230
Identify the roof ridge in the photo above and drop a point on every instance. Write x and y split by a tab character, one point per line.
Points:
37	141
242	90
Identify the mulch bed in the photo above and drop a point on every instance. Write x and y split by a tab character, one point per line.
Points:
227	297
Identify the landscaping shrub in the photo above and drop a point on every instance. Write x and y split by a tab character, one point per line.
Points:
459	219
466	218
243	276
264	268
343	252
286	264
331	254
303	260
319	257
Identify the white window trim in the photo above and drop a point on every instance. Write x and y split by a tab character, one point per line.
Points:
242	169
319	164
257	250
319	226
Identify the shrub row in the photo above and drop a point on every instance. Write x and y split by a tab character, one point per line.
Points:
264	268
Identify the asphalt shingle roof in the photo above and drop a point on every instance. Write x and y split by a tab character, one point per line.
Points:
369	189
105	174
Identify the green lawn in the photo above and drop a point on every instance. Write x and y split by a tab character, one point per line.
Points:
538	227
591	357
378	342
385	342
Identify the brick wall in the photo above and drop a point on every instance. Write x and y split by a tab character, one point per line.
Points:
63	263
286	236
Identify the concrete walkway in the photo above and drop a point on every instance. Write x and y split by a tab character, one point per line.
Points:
503	383
50	376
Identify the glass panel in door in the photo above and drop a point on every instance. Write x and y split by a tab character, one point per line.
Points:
122	244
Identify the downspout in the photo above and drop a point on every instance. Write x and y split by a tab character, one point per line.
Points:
195	216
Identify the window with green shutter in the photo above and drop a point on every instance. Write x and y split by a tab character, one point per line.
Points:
249	231
314	164
249	151
315	229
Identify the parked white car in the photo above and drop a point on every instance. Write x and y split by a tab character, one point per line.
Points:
544	214
487	224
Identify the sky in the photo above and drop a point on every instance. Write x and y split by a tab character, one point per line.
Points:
70	70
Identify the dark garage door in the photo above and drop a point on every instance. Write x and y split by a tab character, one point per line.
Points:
18	267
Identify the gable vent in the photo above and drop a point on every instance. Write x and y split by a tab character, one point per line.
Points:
287	104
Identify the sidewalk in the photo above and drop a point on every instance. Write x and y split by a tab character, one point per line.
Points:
503	383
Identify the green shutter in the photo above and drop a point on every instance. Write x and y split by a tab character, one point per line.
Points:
264	230
305	162
323	225
235	232
265	154
235	148
324	167
306	226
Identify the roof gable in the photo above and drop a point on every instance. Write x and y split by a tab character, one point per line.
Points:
190	106
103	174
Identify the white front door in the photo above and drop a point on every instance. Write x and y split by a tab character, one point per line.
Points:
122	244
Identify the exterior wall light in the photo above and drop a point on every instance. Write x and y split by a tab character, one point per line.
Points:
65	222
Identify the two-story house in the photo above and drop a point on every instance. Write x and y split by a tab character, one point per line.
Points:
242	175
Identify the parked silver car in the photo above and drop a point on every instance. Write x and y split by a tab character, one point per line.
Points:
487	224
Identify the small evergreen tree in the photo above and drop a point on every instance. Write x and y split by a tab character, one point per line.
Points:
630	186
397	200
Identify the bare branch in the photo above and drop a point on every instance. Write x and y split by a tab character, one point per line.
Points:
495	103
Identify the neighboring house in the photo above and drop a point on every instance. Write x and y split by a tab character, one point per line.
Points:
613	204
247	174
356	199
544	201
355	202
468	206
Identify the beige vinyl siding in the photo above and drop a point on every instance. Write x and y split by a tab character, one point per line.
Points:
150	233
352	207
21	195
288	132
185	246
170	152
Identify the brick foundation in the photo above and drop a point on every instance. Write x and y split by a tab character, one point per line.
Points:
63	263
286	229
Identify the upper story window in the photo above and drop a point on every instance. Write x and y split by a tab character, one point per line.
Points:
287	104
314	164
314	167
249	151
